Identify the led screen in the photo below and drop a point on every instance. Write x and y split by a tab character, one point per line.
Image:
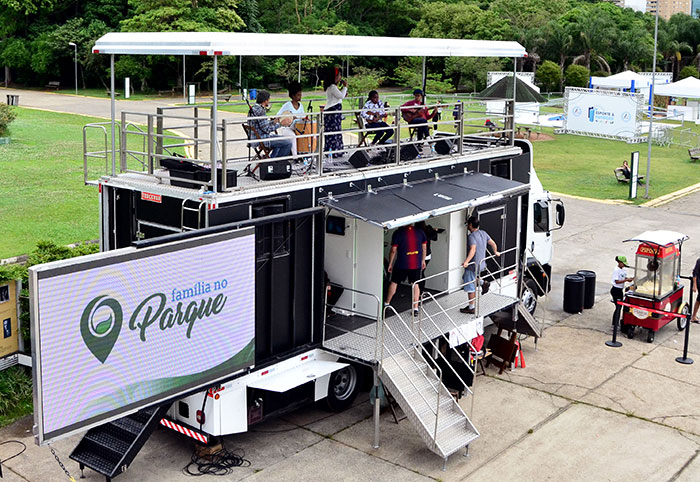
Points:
119	330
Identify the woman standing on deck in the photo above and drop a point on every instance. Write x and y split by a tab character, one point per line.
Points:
332	121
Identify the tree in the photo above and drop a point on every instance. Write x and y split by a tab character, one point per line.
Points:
549	75
559	43
688	71
576	76
183	16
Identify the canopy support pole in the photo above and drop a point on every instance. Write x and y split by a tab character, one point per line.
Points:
299	74
651	106
240	70
113	113
515	83
214	121
424	79
184	80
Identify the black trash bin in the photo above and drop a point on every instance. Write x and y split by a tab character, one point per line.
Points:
574	289
589	287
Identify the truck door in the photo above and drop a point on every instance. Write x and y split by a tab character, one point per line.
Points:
492	220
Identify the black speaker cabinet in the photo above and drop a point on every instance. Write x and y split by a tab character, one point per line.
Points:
409	152
443	146
272	170
359	159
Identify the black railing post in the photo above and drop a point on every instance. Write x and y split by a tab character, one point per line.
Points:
684	359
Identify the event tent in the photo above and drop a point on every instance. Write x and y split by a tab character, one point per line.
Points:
687	88
623	80
503	89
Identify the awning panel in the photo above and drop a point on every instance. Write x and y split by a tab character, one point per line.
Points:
396	206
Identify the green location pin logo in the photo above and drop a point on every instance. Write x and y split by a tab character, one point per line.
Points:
100	325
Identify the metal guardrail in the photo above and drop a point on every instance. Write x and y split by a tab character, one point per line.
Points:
155	132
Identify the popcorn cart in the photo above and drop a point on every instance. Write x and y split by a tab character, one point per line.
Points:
656	298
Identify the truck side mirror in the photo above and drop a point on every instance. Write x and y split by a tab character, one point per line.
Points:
561	214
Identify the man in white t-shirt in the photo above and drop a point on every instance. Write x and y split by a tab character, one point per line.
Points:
619	278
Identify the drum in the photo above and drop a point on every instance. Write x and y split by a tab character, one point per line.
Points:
306	145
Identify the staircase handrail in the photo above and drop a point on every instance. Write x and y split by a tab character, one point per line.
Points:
436	411
380	319
442	335
529	254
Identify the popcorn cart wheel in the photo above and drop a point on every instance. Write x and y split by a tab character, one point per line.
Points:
656	298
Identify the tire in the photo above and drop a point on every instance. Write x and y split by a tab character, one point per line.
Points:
529	296
630	332
681	322
650	336
342	388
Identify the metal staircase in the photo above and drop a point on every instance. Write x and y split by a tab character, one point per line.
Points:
418	388
110	448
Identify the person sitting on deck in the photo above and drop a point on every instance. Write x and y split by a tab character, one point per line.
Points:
265	128
374	114
294	109
418	116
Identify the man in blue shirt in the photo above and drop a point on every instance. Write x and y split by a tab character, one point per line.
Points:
264	128
477	241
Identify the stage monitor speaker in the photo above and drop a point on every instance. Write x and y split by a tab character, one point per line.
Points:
409	152
443	146
273	170
359	159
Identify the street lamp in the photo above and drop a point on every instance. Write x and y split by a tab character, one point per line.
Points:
75	58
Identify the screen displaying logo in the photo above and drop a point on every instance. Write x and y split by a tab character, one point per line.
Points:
138	326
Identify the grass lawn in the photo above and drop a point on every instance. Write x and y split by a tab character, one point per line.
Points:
43	195
15	394
583	166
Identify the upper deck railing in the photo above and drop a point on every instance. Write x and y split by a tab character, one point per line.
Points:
148	143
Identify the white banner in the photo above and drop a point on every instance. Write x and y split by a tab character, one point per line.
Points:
602	113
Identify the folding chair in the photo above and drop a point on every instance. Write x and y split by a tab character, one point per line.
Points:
362	135
261	150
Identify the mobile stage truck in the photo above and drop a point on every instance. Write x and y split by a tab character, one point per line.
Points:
236	288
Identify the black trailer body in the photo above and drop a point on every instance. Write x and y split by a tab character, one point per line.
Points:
290	245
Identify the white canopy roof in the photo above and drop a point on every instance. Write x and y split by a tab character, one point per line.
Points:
662	238
624	80
688	87
226	43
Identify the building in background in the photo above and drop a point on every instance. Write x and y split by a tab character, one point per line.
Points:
638	5
695	6
669	7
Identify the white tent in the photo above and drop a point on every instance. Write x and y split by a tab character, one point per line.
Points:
227	43
623	80
688	88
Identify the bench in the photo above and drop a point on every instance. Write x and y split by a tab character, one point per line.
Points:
54	84
694	153
109	93
170	91
620	176
226	97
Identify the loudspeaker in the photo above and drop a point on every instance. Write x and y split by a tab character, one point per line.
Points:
409	152
359	159
272	170
443	146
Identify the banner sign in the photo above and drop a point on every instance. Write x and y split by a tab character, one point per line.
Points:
603	113
117	331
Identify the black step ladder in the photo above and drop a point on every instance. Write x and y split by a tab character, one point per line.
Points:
110	448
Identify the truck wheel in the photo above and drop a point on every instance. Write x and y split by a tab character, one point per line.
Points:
529	296
681	322
342	388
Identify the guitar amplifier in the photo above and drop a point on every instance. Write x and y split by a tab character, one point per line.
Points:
273	170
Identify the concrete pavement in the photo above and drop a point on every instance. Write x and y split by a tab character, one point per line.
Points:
579	411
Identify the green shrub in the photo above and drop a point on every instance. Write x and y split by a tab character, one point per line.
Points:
363	80
7	115
576	76
15	394
688	71
549	75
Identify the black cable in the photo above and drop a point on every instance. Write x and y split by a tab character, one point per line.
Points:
24	448
219	463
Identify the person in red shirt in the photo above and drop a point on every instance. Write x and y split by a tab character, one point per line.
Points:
418	116
407	260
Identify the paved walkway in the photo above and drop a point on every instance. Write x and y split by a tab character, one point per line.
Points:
579	411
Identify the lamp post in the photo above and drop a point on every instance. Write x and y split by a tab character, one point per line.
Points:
651	103
75	61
